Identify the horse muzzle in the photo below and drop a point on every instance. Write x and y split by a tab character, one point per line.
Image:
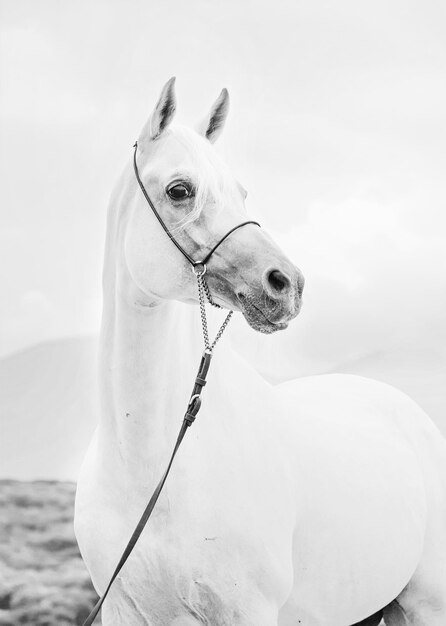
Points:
276	301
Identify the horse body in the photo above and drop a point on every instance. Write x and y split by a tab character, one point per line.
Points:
315	502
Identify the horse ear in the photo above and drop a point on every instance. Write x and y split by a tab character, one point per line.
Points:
162	114
213	125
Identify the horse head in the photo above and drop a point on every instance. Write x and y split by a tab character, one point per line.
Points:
199	200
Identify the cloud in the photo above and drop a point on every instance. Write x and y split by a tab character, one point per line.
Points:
336	128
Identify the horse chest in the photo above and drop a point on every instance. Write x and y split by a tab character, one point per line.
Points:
212	571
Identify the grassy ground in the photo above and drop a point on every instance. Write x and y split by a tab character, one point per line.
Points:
43	580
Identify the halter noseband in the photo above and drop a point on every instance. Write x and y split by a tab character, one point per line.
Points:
195	264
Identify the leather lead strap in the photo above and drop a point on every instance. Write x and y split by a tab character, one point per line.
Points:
195	399
191	413
138	530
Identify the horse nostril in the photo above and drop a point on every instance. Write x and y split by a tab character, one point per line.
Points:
278	281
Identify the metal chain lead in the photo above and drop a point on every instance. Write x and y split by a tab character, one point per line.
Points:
208	294
203	294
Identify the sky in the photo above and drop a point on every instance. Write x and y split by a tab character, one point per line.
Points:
337	129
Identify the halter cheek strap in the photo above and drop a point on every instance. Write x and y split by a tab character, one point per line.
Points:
167	231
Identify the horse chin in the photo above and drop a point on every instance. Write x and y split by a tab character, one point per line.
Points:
264	326
257	319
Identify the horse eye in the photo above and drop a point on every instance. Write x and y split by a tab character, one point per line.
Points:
180	191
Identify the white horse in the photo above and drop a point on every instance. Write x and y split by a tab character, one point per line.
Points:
318	502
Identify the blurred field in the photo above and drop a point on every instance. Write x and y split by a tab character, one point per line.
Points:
43	580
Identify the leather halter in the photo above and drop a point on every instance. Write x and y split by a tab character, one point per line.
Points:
167	231
199	268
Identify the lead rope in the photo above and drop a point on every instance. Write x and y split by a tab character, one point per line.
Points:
191	413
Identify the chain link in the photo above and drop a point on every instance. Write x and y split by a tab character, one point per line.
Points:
208	294
203	295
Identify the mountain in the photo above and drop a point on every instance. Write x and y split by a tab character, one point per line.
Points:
48	400
48	409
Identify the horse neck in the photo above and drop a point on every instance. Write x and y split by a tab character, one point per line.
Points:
147	362
149	354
